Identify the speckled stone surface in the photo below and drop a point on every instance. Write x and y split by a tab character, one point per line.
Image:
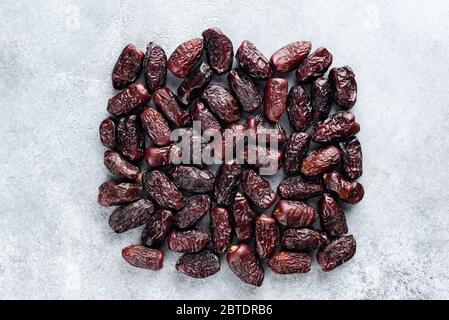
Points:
55	63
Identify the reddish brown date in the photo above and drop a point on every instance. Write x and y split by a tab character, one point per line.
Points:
294	214
195	83
192	179
299	109
113	194
130	138
185	56
264	128
157	157
314	66
108	133
243	217
226	182
352	158
258	189
296	188
321	161
128	100
275	98
267	236
221	229
155	67
332	217
321	98
157	227
156	127
253	62
303	239
162	190
143	257
336	253
131	216
165	101
348	191
296	149
290	56
344	87
245	90
127	67
194	209
259	157
208	121
190	241
117	165
219	50
290	262
222	103
339	126
245	265
199	265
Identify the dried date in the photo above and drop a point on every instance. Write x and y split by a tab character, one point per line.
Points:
303	239
192	179
143	257
296	188
221	229
258	189
267	236
157	227
194	209
253	62
117	165
219	50
296	149
294	214
162	190
332	217
299	109
339	126
156	127
128	100
245	90
344	87
166	102
195	83
113	194
290	56
243	217
155	67
321	161
207	120
199	265
290	262
336	253
130	138
157	157
275	98
321	98
222	103
314	66
264	129
189	241
185	57
226	182
127	67
352	158
245	265
131	216
349	191
108	133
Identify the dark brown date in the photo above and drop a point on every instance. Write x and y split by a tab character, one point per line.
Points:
344	87
258	189
162	190
296	149
290	262
128	100
143	257
222	103
165	101
314	66
194	209
348	191
332	217
208	121
294	214
275	98
253	62
157	157
243	217
131	216
221	229
226	182
299	109
263	127
199	265
352	158
267	236
195	83
155	67
130	138
192	179
296	188
245	265
156	127
113	194
290	56
337	127
260	157
303	239
127	67
245	90
117	165
321	98
185	56
321	161
157	227
108	133
219	50
189	241
336	253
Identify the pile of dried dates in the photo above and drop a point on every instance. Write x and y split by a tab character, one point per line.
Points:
250	223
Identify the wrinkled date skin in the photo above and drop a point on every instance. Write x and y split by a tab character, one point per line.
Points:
195	208
303	239
156	127
226	182
221	229
190	241
155	67
108	133
299	109
195	83
185	56
192	179
162	190
208	121
349	191
314	66
199	265
243	217
245	90
127	67
290	56
222	103
117	165
190	139
128	100
337	127
275	98
245	265
352	158
131	216
157	157
267	236
296	149
143	257
336	253
294	214
296	188
321	98
259	157
113	194
253	62
332	217
258	189
165	101
219	50
157	227
344	87
262	128
290	262
130	138
321	161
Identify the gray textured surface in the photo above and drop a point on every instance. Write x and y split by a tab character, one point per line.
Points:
55	63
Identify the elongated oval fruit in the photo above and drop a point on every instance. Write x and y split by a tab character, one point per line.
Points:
131	216
226	182
185	56
113	194
264	128
130	138
219	50
117	165
321	98
344	87
259	157
332	217
253	62
195	83
258	189
165	101
207	120
339	126
267	236
294	214
194	209
222	103
349	191
303	239
221	229
275	98
108	133
290	263
155	67
192	179
162	190
336	253
127	67
245	265
143	257
321	161
314	66
299	109
296	188
296	149
156	127
290	56
157	227
128	100
157	157
243	217
189	241
352	158
245	90
199	265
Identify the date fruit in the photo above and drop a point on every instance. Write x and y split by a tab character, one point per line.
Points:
275	98
157	227
245	265
128	100
303	239
349	191
262	127
243	218
192	179
130	138
199	265
189	241
219	50
294	214
351	151
162	190
258	189
344	87
253	62
156	127
290	262
336	253
222	103
226	182
314	66
157	157
155	67
143	257
296	149
260	157
299	109
321	161
113	194
185	57
165	101
195	83
296	188
194	209
127	67
208	121
267	236
131	216
290	56
332	217
321	98
337	127
245	90
108	133
117	165
221	229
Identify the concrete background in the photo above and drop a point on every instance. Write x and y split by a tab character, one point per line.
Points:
55	64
